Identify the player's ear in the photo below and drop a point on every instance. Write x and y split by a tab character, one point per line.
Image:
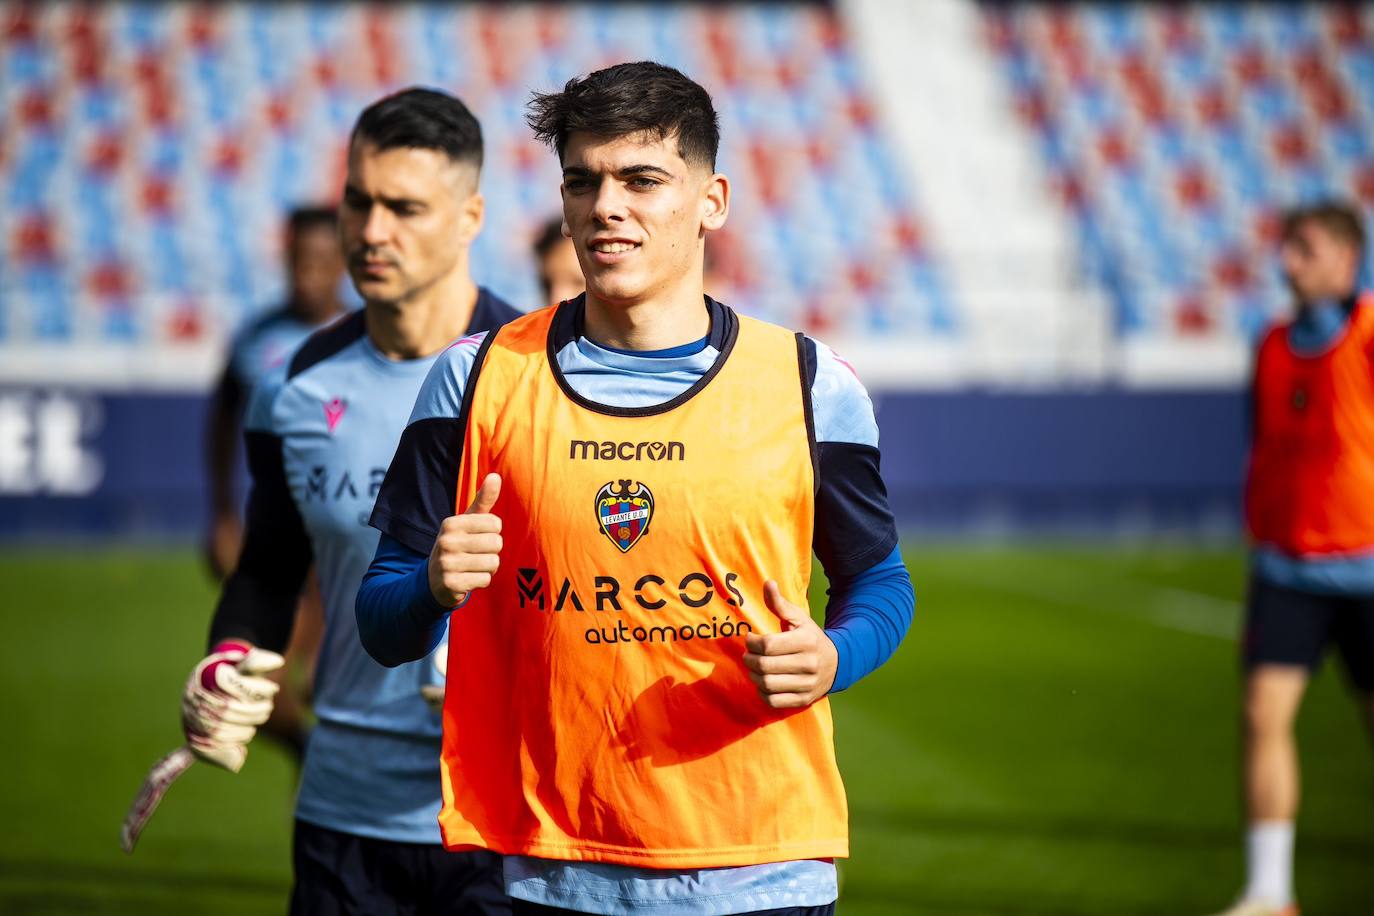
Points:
715	202
474	212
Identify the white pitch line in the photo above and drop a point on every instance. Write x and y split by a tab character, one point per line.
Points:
1194	612
1179	609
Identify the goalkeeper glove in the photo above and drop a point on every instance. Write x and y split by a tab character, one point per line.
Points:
225	699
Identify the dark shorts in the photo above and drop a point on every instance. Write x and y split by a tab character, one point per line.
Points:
1287	627
339	874
525	908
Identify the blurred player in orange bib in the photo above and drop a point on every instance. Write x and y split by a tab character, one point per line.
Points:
1309	504
624	492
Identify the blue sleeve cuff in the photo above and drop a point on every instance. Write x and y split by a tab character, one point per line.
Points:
398	618
867	617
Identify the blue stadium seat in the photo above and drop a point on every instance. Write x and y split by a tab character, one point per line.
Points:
1256	108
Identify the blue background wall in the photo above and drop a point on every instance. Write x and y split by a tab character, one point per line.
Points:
1114	461
960	463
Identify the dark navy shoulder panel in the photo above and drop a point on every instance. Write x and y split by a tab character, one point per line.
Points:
854	526
490	312
326	342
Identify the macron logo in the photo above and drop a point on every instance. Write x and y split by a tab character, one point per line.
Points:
333	413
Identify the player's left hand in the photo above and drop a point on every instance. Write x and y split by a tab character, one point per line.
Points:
796	667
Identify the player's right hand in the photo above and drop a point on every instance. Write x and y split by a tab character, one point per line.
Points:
468	549
225	699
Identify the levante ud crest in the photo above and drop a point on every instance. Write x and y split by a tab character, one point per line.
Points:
624	509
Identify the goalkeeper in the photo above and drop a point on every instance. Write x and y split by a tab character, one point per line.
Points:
319	432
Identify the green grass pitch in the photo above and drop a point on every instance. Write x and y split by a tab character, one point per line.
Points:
1057	736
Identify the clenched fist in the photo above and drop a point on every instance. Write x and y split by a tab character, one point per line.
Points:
796	667
468	549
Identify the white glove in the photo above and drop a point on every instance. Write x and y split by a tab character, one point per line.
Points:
225	700
434	693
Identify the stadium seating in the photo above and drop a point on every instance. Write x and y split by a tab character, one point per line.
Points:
148	151
1176	134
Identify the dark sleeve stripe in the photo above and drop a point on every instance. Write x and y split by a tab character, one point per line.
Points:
421	485
855	528
259	599
806	367
491	312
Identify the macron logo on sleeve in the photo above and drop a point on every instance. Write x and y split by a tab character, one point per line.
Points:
333	413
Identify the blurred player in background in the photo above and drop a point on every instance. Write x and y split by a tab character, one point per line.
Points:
320	431
315	268
560	276
636	712
1310	511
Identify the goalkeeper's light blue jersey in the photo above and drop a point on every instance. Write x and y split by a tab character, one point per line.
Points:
338	407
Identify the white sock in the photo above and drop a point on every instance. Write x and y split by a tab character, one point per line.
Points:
1269	863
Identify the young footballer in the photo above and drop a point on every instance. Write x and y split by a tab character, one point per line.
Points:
636	708
314	271
1310	509
320	431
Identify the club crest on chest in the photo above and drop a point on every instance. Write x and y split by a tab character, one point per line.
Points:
624	509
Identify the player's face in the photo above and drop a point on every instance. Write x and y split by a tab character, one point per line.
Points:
1317	264
559	273
638	213
407	218
316	269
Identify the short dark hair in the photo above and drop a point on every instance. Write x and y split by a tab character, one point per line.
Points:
1339	218
550	234
422	119
633	98
302	219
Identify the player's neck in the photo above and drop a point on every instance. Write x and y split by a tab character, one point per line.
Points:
653	323
425	324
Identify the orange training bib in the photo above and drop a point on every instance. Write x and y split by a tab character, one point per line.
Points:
1310	489
598	707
